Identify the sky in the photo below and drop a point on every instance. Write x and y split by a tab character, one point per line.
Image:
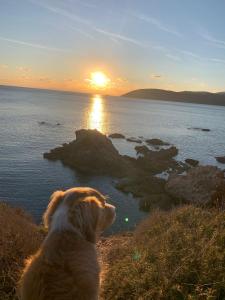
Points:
169	44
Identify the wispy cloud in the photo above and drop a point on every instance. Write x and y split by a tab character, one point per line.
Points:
23	69
60	11
158	24
173	57
120	37
81	31
33	45
190	54
156	76
218	60
214	41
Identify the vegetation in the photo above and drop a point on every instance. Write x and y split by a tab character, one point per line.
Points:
19	238
172	255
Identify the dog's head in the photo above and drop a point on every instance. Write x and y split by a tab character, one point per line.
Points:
83	210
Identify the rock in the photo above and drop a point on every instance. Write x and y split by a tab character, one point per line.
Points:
156	142
221	159
116	136
142	149
91	153
198	128
134	140
203	185
192	162
156	161
149	189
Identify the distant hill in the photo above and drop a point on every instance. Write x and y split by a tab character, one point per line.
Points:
185	96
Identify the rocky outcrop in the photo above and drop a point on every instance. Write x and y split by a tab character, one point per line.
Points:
91	153
192	162
203	185
149	189
221	159
116	136
156	142
156	161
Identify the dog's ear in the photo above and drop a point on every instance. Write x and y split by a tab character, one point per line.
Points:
54	202
85	217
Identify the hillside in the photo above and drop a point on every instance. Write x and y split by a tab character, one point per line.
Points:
177	254
185	96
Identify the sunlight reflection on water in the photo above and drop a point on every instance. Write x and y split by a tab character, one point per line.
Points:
96	114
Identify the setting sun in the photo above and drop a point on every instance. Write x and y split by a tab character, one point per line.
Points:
99	80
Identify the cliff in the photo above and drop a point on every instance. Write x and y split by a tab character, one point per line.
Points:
184	96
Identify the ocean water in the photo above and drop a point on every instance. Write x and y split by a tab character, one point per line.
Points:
34	121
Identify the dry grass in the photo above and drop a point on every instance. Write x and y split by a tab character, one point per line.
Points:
173	255
19	238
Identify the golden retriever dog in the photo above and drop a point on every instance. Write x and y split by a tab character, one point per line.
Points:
66	266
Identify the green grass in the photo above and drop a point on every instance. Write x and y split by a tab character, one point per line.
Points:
172	255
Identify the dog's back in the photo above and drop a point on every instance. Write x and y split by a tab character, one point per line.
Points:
65	268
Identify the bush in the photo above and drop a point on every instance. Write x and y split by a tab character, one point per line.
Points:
172	255
19	238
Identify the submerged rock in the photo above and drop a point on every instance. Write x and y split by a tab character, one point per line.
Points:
116	136
203	185
221	159
91	153
192	162
134	140
156	142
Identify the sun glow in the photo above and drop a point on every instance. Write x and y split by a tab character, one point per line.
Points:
99	80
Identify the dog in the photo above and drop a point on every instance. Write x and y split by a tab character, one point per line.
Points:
66	266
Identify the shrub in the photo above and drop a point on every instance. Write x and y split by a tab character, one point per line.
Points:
173	255
19	238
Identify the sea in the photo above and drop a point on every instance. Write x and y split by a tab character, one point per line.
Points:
34	121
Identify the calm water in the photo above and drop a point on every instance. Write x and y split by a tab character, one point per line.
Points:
27	180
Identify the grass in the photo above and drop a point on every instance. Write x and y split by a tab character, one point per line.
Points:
19	238
172	255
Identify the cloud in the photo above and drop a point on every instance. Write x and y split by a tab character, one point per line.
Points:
217	60
120	37
156	76
214	41
60	11
33	45
4	66
45	79
173	57
23	69
82	32
158	24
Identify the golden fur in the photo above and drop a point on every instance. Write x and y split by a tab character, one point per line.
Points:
66	266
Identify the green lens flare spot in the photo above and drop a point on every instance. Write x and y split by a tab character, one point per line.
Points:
126	220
